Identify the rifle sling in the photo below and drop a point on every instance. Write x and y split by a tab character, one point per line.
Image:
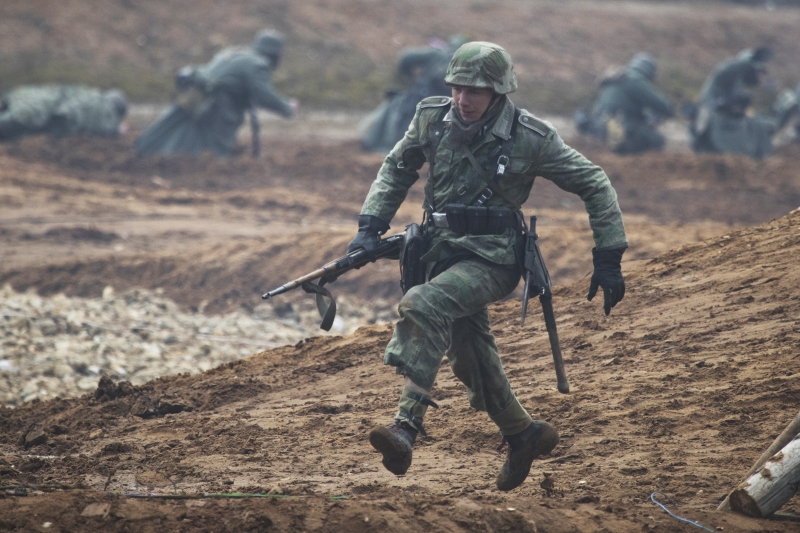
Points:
327	312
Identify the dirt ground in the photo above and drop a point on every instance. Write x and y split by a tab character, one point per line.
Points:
678	391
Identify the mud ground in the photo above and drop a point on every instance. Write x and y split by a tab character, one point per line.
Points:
678	391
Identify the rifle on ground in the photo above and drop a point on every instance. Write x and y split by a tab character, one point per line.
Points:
537	283
388	248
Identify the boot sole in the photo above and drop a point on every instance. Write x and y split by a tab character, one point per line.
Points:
396	455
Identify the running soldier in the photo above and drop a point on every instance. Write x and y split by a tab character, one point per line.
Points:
722	122
425	68
629	109
213	99
477	134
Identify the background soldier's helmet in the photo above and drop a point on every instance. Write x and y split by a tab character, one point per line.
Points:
268	43
482	65
118	100
644	64
758	56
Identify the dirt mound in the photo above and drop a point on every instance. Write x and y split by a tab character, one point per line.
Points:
679	390
289	164
219	278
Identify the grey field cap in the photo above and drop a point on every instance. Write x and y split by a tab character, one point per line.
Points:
483	65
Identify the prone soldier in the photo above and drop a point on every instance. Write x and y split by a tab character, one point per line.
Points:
61	110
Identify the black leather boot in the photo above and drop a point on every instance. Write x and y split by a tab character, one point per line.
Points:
537	439
394	442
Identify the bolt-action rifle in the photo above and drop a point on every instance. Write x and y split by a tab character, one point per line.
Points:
537	283
388	248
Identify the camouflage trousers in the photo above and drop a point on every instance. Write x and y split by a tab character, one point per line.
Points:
449	316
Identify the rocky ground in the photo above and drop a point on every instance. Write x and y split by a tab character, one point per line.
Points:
59	346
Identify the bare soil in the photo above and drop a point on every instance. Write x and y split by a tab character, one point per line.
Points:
679	390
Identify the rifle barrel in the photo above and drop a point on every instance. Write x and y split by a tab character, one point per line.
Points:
336	267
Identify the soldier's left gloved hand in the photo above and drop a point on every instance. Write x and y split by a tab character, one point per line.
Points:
608	275
370	228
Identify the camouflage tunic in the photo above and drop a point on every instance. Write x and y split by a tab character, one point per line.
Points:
537	151
448	315
57	110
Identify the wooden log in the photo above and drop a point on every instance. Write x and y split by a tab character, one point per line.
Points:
767	490
792	430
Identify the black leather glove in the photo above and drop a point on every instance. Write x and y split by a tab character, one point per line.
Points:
370	229
608	275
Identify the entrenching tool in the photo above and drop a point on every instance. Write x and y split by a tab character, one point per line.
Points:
537	283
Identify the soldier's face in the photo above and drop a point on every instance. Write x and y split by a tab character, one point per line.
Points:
471	101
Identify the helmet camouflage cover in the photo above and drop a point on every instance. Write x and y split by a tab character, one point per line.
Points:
483	65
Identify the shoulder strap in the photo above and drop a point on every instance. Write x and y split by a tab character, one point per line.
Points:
487	179
436	132
492	186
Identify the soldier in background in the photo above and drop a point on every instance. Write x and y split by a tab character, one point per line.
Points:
425	68
213	99
628	110
61	110
721	122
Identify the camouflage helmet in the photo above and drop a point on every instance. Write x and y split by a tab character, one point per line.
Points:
268	43
482	65
644	64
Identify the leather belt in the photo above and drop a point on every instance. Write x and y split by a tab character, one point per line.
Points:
466	220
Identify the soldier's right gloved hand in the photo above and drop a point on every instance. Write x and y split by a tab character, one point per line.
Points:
608	275
370	228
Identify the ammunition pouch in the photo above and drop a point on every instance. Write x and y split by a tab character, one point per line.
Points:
412	269
479	220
